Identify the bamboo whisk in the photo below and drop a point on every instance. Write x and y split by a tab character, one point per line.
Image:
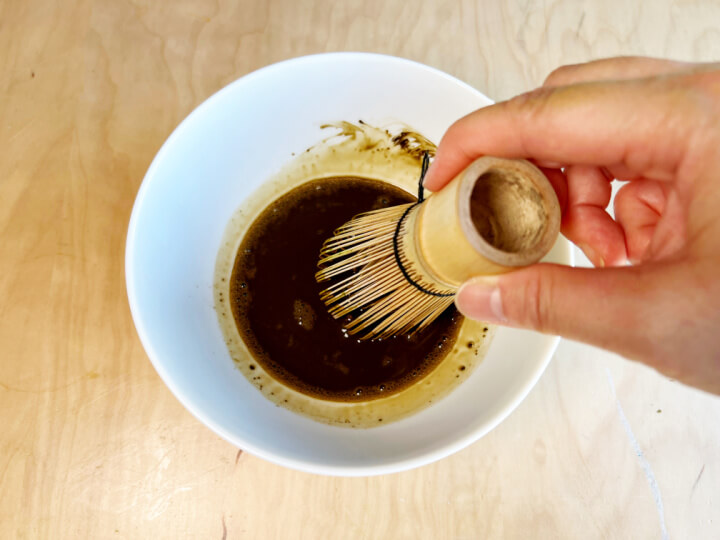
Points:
394	270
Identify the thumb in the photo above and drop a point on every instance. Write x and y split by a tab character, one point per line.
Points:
613	308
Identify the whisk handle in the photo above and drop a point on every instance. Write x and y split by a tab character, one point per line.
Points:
495	216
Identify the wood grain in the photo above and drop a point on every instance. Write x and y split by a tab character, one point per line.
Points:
93	445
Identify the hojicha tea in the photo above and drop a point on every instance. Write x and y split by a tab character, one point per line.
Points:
279	332
275	299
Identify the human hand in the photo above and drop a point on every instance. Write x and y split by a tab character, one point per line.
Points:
655	294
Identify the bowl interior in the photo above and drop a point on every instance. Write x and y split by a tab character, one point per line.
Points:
222	152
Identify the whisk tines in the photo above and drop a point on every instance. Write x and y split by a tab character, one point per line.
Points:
375	282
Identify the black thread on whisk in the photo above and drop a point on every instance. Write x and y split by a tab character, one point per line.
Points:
423	171
396	236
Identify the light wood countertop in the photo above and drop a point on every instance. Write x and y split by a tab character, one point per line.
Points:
93	445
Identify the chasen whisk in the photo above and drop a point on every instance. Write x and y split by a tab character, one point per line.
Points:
393	271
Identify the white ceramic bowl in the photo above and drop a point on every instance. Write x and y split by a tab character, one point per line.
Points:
213	161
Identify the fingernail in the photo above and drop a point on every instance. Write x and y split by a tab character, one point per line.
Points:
593	255
429	173
480	299
623	262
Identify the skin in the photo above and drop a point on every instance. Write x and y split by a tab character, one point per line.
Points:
654	294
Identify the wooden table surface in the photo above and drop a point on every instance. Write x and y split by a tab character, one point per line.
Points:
93	445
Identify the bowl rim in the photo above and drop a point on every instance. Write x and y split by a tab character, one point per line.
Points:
392	466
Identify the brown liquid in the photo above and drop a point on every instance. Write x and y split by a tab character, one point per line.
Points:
276	305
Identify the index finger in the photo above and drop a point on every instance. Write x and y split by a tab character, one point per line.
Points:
622	67
643	125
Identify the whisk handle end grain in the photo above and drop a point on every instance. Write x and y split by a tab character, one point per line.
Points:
495	216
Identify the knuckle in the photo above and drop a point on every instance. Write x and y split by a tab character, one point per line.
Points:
622	198
707	89
701	87
628	192
706	79
530	103
698	95
529	109
560	75
535	301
